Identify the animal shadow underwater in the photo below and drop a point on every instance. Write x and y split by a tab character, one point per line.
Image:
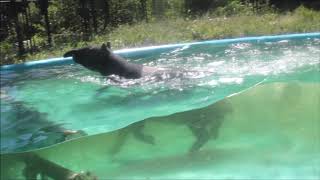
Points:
37	166
204	124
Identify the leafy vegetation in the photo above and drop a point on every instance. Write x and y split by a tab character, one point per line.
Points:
128	28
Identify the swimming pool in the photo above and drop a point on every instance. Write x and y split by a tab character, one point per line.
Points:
259	97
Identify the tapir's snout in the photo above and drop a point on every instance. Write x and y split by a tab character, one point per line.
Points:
70	53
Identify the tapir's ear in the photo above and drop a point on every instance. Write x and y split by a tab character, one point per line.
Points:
109	44
103	47
106	48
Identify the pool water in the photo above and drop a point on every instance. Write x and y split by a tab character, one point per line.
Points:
270	122
272	132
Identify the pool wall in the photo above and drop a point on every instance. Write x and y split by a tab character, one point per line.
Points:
156	49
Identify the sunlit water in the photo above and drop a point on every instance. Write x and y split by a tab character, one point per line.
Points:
36	104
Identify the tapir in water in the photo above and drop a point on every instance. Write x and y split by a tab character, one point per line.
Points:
104	61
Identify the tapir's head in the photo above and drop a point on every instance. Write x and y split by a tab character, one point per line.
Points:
95	59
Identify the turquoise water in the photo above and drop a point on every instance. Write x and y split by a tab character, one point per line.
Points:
259	103
270	131
74	98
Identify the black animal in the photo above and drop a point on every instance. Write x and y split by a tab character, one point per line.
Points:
104	61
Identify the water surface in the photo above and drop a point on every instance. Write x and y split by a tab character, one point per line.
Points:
37	103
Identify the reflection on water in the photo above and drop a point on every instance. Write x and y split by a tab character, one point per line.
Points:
25	127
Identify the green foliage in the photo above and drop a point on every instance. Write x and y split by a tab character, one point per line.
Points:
234	7
127	28
63	16
7	52
174	9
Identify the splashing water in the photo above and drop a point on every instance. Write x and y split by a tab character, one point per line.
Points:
199	75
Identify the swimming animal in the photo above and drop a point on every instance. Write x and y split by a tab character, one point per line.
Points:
104	61
202	125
